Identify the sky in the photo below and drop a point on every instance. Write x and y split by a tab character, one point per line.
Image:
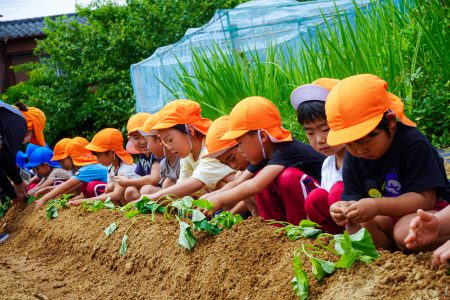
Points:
24	9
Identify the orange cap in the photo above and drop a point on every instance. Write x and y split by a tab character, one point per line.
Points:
79	154
110	139
328	83
214	144
59	152
182	111
136	121
35	121
356	106
254	113
150	123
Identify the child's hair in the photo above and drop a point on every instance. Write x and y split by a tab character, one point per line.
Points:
21	106
311	111
181	127
383	125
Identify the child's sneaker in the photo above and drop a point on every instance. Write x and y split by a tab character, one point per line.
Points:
3	237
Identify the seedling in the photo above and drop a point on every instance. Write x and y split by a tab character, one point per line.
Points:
306	228
5	206
96	205
51	210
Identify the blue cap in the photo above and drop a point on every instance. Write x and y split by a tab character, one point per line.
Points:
42	155
32	147
21	159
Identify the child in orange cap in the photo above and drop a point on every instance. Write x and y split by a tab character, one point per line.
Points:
282	171
107	146
309	102
35	122
60	155
89	174
390	169
147	165
226	151
182	130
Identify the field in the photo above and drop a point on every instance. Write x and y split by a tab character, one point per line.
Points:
70	258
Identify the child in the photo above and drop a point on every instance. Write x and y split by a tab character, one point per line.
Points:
169	165
107	146
60	155
36	120
427	228
226	151
282	171
147	165
390	169
309	102
49	171
89	175
182	129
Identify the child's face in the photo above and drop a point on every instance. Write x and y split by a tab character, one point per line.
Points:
234	159
66	163
139	142
155	145
250	147
43	170
105	158
176	141
317	133
374	145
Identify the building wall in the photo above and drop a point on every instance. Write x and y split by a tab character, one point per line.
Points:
14	52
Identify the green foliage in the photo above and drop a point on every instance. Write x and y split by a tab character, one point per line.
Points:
186	239
51	210
406	46
5	205
306	228
96	205
349	248
111	229
83	70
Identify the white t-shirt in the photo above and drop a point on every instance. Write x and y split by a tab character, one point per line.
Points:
124	170
330	175
208	170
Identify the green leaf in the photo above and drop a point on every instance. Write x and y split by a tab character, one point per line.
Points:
186	239
203	203
363	243
321	268
123	245
300	282
344	248
108	204
51	211
131	214
31	199
308	223
110	229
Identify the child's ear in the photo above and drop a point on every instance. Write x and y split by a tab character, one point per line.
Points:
45	165
392	121
191	130
264	136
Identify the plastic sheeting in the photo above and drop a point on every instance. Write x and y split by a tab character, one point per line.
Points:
253	25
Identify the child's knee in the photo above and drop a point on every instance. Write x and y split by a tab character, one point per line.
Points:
317	198
401	230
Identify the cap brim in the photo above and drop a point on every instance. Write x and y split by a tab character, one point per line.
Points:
234	134
59	157
152	132
125	156
217	153
32	165
84	162
308	92
94	148
164	125
353	133
131	149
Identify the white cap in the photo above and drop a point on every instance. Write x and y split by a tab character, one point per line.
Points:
308	92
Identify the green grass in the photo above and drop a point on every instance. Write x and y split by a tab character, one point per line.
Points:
406	46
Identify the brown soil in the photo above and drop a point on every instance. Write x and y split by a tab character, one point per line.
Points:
70	258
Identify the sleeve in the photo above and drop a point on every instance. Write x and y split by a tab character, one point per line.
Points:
352	190
210	171
186	169
59	174
422	168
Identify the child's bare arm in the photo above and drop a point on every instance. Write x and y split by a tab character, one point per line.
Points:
185	188
151	179
58	190
366	209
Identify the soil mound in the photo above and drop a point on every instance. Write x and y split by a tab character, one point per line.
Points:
70	258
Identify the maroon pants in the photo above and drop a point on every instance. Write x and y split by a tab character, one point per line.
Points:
93	188
318	204
284	198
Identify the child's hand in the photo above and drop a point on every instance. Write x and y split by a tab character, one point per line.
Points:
363	210
121	180
75	202
423	229
38	204
441	255
337	212
216	201
42	191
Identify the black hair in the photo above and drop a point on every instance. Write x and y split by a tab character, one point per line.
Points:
383	125
311	111
181	127
21	106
